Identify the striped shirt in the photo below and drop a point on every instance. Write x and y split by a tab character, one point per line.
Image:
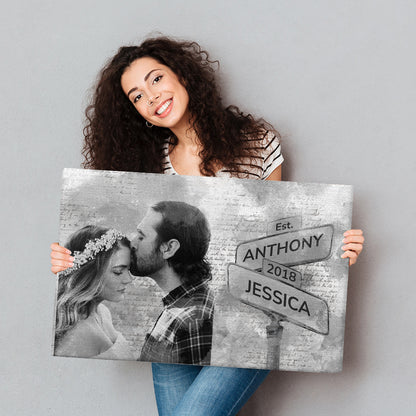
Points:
269	152
183	332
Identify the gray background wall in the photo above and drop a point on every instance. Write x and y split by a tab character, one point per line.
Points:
336	77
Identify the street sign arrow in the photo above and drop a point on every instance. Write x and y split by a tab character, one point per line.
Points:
297	306
283	273
292	248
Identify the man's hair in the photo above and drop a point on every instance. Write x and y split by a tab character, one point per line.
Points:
187	224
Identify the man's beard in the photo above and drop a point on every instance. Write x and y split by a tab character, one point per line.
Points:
147	266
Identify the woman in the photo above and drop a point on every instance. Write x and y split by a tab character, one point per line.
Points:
101	272
157	108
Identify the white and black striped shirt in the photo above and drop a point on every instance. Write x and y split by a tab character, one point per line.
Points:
269	152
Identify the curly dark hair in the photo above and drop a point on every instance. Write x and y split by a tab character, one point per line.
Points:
116	137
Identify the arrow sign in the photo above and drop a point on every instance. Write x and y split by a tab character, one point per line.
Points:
284	274
295	247
297	306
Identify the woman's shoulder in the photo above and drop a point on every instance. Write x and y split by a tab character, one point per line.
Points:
262	140
106	322
85	339
104	313
267	145
264	137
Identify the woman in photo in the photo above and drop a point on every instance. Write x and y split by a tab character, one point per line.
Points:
157	108
101	272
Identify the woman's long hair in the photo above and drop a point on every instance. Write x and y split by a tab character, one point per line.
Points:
116	136
80	290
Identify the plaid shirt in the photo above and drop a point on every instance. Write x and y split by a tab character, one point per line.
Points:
183	332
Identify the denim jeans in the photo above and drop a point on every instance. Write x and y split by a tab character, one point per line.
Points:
188	390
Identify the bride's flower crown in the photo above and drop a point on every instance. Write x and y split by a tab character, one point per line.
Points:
92	248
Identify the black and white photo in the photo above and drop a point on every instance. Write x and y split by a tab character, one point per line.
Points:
220	271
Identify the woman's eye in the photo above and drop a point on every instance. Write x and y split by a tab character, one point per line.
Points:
157	79
137	98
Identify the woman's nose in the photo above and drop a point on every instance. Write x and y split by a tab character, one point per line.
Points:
127	277
153	98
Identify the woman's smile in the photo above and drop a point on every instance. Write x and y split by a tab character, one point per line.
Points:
164	109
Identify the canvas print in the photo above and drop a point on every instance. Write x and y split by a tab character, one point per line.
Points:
198	270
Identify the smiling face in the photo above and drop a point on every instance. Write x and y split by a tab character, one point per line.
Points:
117	275
156	93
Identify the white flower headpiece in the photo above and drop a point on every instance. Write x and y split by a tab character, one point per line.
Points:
92	248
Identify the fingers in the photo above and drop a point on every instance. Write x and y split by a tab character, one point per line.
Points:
59	248
57	269
353	240
352	255
60	258
59	265
353	247
62	263
353	232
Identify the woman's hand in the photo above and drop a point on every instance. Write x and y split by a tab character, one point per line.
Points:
61	258
353	240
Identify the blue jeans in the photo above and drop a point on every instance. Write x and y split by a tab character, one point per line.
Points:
188	390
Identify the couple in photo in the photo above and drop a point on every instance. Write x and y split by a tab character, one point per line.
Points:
169	246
